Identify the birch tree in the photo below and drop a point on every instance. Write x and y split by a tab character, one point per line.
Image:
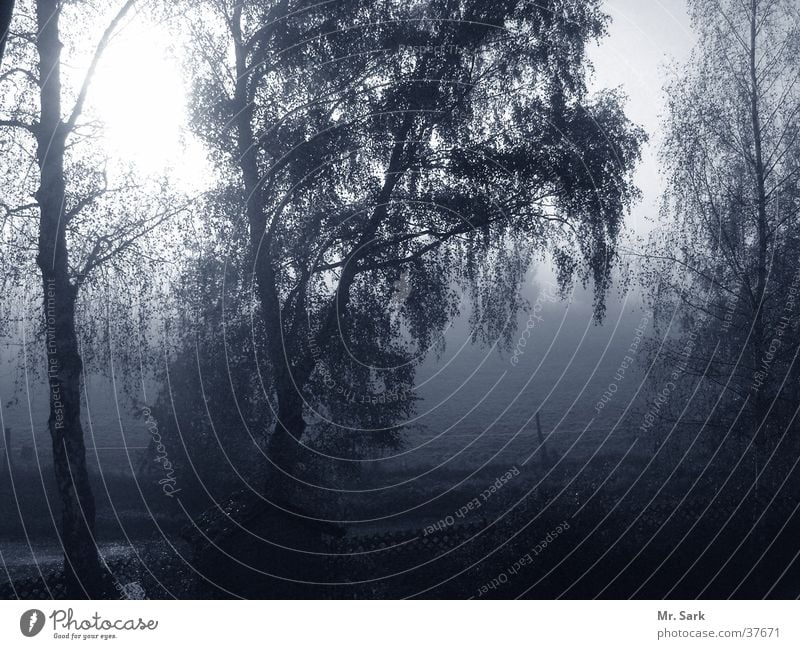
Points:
437	144
725	261
63	214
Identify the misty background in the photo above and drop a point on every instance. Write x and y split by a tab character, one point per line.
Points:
475	406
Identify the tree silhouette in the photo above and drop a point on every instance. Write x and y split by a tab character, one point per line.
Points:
440	143
79	229
724	264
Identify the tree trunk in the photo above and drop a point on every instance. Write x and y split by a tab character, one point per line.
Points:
6	14
283	448
82	568
759	342
292	368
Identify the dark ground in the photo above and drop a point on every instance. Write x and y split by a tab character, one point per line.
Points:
610	528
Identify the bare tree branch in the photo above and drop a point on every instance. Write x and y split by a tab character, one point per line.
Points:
98	53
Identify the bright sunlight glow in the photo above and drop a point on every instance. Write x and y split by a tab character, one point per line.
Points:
140	95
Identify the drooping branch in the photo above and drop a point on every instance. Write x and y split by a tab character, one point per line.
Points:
98	54
16	123
109	246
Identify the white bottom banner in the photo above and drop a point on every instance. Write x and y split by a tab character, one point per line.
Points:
400	625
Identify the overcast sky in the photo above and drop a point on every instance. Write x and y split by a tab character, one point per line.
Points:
645	38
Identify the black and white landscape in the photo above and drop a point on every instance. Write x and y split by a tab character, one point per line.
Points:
399	298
